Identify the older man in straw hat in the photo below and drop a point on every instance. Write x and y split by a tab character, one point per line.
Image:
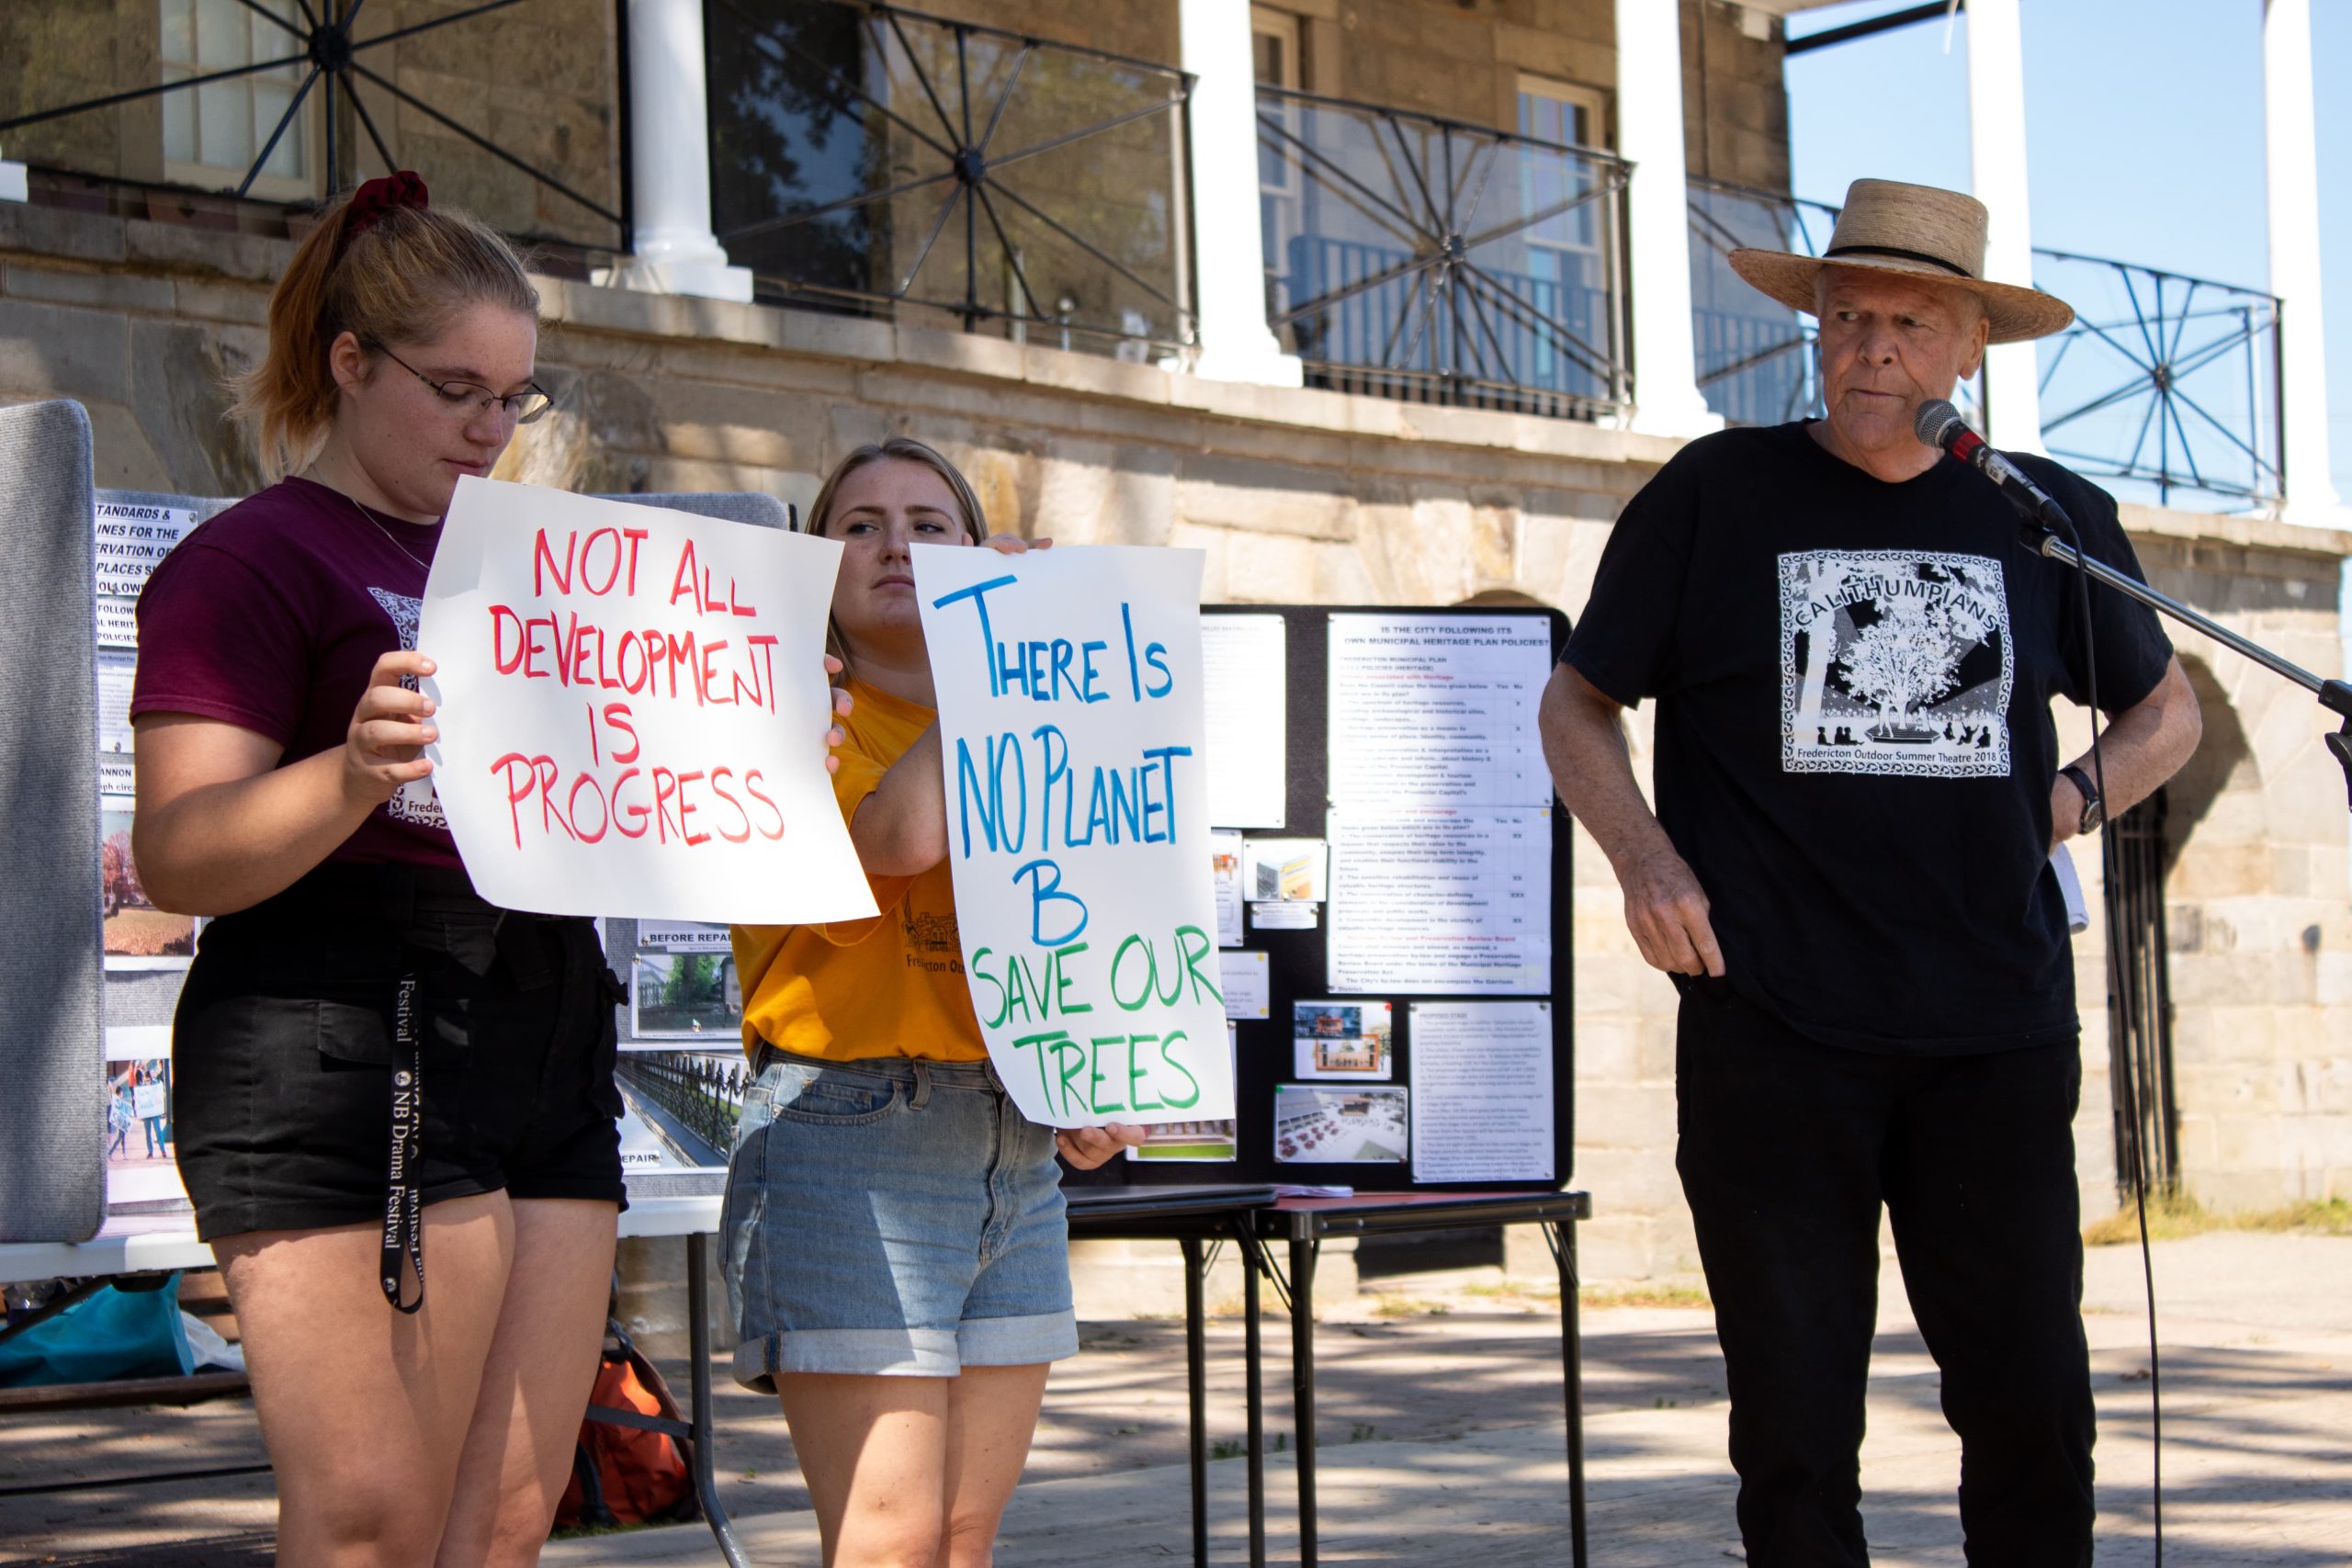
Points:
1849	877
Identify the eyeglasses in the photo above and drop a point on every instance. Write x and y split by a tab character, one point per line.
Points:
522	406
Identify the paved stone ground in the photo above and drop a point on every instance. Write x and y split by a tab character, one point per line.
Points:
1442	1430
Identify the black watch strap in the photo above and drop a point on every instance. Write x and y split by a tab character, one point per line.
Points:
2094	809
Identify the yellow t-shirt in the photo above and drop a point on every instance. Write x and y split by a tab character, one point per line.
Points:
892	986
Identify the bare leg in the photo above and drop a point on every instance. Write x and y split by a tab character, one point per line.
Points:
542	1364
991	1416
363	1407
912	1473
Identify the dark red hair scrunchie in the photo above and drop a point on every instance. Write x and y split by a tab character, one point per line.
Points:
378	197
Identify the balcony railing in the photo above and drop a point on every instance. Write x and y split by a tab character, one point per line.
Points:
2162	381
886	163
2164	384
1436	262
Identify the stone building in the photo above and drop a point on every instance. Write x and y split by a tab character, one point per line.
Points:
1151	340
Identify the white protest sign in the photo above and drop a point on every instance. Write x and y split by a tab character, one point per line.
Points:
633	710
1073	754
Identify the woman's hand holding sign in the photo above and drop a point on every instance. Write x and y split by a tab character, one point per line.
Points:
1086	1148
385	746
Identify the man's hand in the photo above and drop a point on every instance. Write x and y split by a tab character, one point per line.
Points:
1668	915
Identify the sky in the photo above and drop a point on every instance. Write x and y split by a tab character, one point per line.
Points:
2144	131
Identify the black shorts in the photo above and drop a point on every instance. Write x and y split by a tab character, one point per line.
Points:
284	1046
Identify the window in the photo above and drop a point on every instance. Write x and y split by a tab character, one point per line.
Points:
212	133
1274	45
1555	111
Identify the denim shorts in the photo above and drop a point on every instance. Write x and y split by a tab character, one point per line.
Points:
892	1217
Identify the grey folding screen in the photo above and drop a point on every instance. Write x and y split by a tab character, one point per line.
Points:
52	1093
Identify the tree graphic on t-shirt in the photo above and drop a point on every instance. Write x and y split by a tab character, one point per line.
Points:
1908	656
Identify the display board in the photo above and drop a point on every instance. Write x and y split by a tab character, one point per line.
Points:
1394	896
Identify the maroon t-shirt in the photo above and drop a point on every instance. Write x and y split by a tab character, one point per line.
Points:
270	615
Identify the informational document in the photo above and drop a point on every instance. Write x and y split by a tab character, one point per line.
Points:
1244	697
1437	710
1482	1091
1442	901
117	668
1071	742
1248	983
1276	916
1225	856
131	540
632	710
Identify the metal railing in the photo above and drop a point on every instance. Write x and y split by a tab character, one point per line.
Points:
1433	260
2164	382
1755	359
2145	1118
702	1094
320	43
883	162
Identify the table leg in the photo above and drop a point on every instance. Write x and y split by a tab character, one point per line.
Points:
1302	1364
1196	1389
722	1528
1253	1356
1563	1251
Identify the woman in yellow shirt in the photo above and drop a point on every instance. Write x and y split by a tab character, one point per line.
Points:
898	1258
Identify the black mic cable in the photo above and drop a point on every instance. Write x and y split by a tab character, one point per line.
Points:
1940	425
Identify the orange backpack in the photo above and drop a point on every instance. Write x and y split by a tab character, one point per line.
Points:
627	1475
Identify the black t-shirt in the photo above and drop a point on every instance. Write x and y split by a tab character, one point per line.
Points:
1854	749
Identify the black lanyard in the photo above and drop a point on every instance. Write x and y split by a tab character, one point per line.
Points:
404	1188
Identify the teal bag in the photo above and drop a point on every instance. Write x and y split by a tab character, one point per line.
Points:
113	1334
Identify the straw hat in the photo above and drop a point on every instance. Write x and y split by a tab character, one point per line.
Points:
1922	233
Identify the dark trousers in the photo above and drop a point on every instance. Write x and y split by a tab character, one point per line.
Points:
1787	1149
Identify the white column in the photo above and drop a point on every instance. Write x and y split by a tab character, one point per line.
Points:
1997	164
2289	136
1667	399
1228	241
12	185
674	250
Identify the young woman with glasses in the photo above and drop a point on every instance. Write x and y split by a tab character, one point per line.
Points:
374	1065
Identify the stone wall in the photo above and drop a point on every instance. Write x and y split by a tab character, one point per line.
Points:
1324	497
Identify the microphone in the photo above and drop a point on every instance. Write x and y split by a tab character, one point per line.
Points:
1940	425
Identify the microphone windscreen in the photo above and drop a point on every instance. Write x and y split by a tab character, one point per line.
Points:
1937	423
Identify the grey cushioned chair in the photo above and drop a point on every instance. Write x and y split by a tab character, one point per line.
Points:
734	506
52	1068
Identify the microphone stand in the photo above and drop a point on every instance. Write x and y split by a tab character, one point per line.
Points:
2336	696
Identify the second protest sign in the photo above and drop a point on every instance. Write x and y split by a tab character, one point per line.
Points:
1073	754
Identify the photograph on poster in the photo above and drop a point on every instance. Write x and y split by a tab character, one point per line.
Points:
679	1107
137	935
1194	1141
682	936
1225	861
686	996
141	1159
1342	1039
1339	1126
1291	871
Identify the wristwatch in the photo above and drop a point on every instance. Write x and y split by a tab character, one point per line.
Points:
2094	809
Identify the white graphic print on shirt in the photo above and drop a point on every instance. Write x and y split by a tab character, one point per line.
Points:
414	802
1894	661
